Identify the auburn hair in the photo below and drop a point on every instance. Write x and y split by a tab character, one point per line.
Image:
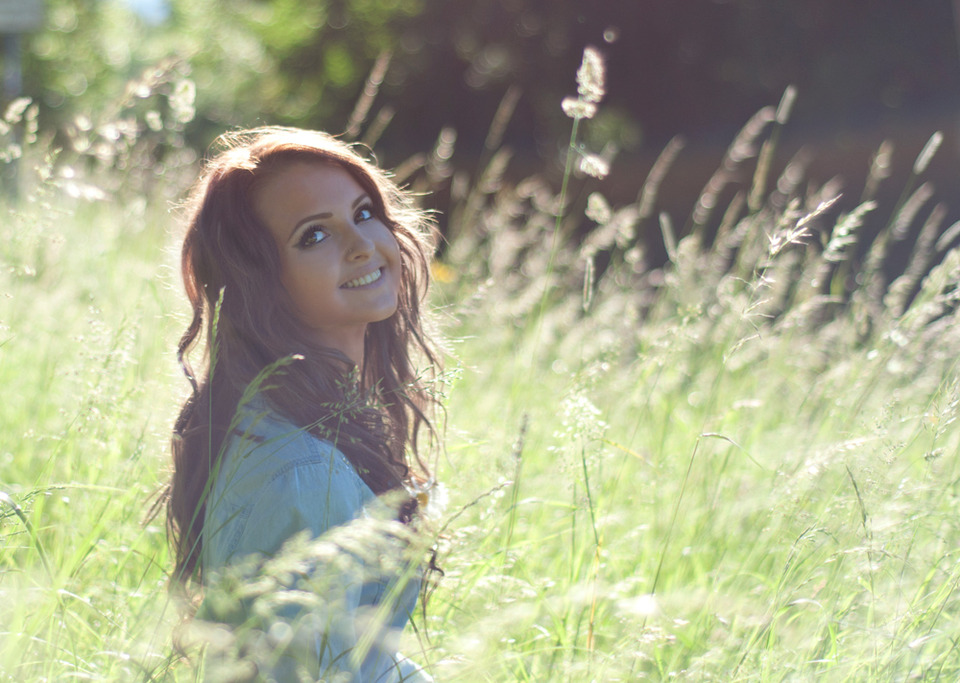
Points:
230	266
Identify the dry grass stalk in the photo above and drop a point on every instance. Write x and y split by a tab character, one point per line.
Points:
743	147
498	126
370	89
647	196
378	126
880	168
903	287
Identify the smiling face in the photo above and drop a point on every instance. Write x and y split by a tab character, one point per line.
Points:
339	262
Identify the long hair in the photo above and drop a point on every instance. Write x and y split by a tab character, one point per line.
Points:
231	272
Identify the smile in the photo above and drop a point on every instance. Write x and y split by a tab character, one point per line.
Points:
365	280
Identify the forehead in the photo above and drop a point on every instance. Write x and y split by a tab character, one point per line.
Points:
302	188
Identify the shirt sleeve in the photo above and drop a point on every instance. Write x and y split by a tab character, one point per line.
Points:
314	493
309	494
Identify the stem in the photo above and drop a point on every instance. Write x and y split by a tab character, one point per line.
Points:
514	496
555	242
673	519
586	482
18	511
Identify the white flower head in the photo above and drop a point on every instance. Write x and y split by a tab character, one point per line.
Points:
590	76
576	108
153	120
581	418
598	209
594	165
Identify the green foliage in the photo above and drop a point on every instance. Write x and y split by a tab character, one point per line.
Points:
283	61
740	466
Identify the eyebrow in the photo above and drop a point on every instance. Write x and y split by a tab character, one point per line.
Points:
326	214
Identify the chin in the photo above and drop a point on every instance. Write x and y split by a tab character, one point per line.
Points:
391	311
389	315
383	317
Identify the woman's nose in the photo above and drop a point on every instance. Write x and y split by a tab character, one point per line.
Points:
360	245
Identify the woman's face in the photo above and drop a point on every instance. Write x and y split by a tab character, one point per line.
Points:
339	262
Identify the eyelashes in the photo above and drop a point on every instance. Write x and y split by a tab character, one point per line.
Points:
315	233
311	236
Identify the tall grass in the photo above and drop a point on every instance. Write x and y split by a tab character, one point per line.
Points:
742	465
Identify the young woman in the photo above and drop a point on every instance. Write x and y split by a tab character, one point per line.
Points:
306	268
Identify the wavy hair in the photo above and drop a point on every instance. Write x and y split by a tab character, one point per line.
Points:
231	271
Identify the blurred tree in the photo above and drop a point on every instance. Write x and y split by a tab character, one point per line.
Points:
700	67
253	61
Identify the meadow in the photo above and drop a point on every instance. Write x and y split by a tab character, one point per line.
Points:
739	466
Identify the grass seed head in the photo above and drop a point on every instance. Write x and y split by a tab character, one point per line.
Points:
598	209
590	76
926	154
594	165
576	108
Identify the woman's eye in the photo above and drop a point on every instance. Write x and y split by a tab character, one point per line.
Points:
364	213
311	236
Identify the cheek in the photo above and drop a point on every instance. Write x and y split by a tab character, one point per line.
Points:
297	285
393	246
398	266
287	281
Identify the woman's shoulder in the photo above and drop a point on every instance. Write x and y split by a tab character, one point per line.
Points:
274	479
263	445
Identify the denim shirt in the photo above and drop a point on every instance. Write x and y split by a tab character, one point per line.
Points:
276	480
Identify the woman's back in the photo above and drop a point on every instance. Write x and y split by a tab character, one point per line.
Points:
275	481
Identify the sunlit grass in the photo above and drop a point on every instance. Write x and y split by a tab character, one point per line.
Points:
703	475
757	523
86	316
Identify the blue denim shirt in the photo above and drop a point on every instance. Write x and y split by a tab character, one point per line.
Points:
276	480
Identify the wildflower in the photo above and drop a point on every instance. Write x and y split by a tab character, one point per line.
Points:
590	76
441	272
640	605
594	165
576	108
581	419
598	209
15	109
432	498
153	120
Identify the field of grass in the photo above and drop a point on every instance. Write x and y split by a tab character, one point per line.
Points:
737	467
